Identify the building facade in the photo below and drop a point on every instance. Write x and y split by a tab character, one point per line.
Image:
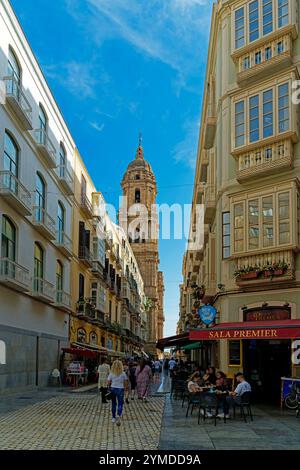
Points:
36	186
138	217
247	179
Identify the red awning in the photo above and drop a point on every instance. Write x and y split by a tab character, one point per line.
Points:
81	352
173	341
285	329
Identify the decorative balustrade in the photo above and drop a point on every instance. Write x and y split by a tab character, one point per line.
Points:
15	192
18	102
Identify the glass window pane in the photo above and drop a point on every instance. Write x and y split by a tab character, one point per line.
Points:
239	28
284	218
239	224
283	108
254	118
283	13
268	113
268	221
253	21
253	221
267	16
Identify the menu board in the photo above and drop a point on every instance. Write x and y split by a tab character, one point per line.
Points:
234	353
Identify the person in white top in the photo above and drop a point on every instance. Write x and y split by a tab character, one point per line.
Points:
118	383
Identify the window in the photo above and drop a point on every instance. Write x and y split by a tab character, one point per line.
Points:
283	108
81	335
14	71
267	16
60	222
226	234
83	188
284	218
268	53
137	196
38	267
267	114
42	126
283	13
62	161
240	124
93	338
253	220
40	199
253	21
239	223
268	221
258	58
81	287
109	307
10	163
280	47
254	118
239	28
247	63
8	240
59	280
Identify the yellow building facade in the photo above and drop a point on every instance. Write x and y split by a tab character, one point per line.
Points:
247	181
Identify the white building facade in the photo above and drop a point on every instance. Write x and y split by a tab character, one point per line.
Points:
36	187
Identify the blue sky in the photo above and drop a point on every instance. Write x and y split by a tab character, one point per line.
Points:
120	66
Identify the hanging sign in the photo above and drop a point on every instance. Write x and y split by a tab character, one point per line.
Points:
207	313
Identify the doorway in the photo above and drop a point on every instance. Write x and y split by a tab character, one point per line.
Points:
265	362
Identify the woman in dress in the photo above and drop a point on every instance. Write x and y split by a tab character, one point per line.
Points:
143	375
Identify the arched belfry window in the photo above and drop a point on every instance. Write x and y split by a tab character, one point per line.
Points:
137	197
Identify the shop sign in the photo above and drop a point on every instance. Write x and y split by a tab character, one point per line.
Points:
268	315
208	314
259	333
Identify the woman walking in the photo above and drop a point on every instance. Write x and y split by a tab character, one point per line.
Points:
103	373
132	378
118	383
143	378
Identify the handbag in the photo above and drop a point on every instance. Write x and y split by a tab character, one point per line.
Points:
109	395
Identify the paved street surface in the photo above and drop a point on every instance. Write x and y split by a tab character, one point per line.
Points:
58	419
68	421
271	429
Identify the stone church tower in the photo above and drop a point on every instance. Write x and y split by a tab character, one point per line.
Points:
138	217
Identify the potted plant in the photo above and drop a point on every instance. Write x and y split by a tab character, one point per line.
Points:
280	268
247	272
268	270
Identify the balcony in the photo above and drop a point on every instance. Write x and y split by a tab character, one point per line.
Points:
13	275
263	59
18	103
265	269
209	200
86	308
44	223
66	179
63	301
265	160
64	243
45	147
86	206
210	127
43	290
97	269
15	194
85	256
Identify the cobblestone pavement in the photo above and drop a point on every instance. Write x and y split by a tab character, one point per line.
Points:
81	422
271	429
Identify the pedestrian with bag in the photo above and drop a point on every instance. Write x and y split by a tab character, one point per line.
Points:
103	373
118	384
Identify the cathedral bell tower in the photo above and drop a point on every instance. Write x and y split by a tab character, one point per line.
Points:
139	213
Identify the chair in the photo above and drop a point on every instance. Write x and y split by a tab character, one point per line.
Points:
245	403
185	395
178	388
194	400
209	401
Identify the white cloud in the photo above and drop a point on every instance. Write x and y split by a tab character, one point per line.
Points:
97	126
171	31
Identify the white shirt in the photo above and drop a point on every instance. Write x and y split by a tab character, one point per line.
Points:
117	381
242	388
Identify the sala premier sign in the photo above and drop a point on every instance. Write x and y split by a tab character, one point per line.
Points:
240	333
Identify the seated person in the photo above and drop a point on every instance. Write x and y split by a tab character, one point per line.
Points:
210	376
234	398
222	383
194	383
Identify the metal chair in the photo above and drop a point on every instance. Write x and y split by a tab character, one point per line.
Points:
178	388
194	401
209	401
244	404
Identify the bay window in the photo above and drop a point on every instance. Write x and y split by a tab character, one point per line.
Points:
239	28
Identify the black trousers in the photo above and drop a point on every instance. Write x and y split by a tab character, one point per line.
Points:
103	391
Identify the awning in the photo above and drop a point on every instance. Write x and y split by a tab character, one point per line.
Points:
192	346
285	329
173	341
80	352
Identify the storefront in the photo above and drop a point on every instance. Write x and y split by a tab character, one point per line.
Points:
262	349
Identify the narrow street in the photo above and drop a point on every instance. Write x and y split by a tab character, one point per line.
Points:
51	419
